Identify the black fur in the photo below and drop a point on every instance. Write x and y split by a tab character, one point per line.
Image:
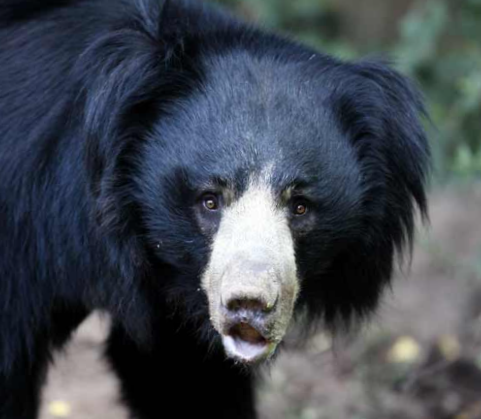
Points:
114	115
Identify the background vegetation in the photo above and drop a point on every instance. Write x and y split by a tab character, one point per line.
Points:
437	42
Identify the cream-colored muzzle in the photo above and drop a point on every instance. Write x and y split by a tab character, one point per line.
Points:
251	280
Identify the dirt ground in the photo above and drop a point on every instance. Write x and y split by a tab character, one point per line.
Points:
420	357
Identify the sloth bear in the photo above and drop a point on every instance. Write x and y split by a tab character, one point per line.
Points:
202	181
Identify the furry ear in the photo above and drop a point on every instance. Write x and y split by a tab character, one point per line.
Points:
117	73
128	76
380	112
385	124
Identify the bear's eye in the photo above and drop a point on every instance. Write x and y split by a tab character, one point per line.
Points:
300	208
211	202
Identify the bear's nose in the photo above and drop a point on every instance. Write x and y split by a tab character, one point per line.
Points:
249	289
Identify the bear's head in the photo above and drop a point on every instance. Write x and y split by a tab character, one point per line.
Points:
260	183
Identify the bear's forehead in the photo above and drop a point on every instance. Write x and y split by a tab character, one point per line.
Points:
248	118
261	88
258	110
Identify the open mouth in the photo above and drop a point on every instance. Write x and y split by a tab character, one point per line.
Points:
247	344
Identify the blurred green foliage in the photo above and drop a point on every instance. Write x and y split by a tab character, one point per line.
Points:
437	42
440	45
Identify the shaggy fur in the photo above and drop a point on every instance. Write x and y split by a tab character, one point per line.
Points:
114	116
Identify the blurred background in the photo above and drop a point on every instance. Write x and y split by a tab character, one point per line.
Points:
420	358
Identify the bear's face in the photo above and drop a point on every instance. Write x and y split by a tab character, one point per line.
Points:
254	190
251	184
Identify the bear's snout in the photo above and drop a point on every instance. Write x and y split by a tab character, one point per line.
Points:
251	280
251	318
249	288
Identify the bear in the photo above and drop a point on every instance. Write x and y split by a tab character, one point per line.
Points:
206	183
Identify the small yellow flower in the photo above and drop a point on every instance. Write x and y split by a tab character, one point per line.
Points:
405	349
59	409
449	347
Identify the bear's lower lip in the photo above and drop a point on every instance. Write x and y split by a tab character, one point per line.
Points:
245	343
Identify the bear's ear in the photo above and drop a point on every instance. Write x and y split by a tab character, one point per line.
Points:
381	113
127	77
126	74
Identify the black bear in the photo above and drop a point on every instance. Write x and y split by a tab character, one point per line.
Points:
203	181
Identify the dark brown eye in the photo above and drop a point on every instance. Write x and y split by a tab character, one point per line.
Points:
300	208
211	202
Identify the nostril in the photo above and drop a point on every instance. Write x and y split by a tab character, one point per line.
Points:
249	304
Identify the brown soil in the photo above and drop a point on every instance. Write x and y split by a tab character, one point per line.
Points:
420	357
